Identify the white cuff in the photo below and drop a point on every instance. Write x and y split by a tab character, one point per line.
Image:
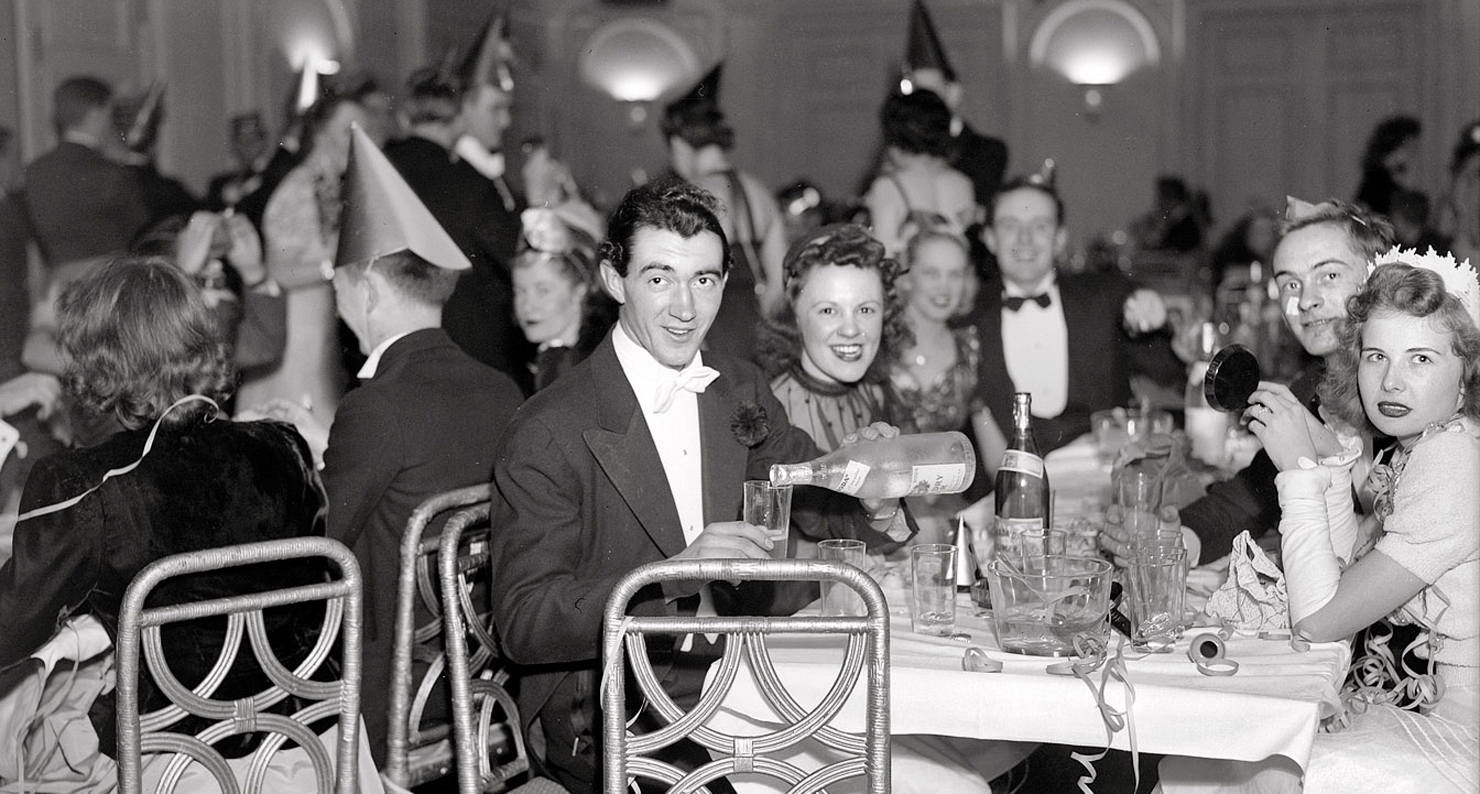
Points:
1341	512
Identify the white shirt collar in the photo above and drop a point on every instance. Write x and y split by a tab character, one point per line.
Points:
644	372
489	164
1049	285
373	362
80	138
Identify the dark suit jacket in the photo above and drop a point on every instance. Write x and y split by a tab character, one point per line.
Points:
1249	500
254	204
81	204
164	196
480	314
581	501
428	422
1099	375
15	301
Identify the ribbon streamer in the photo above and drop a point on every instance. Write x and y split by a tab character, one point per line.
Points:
1115	720
975	660
1208	652
122	470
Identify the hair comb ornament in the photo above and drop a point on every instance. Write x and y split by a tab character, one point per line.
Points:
1460	278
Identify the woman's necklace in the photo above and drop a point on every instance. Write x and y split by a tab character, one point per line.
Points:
922	356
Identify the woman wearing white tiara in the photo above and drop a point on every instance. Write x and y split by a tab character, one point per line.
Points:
1409	367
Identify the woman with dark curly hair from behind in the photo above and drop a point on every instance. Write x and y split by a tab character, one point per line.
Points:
916	181
140	344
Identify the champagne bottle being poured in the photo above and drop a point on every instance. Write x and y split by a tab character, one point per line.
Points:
889	468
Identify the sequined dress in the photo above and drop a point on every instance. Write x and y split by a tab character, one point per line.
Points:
946	403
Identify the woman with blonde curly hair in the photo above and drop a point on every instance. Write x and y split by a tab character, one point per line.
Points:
140	345
1408	368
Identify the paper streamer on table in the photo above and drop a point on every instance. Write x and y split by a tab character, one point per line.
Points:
975	660
1208	652
1115	720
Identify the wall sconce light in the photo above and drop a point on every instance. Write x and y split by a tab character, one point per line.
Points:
1095	44
635	60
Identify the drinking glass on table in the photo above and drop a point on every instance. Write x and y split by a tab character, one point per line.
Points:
933	586
1157	579
769	507
1020	544
1167	534
1081	534
838	599
1138	495
1113	428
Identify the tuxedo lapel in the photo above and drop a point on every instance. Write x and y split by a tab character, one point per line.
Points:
623	447
1078	322
724	458
994	384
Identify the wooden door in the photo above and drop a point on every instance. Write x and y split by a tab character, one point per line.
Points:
1283	93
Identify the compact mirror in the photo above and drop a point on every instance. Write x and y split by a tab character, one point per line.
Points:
1233	375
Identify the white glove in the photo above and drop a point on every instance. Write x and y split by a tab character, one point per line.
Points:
1312	570
1341	515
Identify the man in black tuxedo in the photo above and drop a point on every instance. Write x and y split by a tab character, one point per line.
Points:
427	416
636	455
482	218
79	203
1061	336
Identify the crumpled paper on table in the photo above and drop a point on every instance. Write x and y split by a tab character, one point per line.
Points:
1253	598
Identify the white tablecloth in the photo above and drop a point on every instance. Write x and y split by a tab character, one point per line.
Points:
1272	706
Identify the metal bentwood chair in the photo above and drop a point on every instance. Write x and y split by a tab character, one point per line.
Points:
628	757
442	574
484	716
149	733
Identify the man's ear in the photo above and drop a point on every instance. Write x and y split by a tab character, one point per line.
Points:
989	237
374	286
1060	242
613	282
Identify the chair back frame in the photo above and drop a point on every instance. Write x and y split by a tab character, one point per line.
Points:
139	627
471	737
416	580
868	644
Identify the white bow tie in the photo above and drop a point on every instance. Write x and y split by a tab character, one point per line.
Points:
693	378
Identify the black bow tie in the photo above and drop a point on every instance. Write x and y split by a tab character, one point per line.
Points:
1015	303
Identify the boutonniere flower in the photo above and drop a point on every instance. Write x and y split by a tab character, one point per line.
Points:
750	424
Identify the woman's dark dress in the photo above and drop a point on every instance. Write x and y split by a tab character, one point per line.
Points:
205	484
